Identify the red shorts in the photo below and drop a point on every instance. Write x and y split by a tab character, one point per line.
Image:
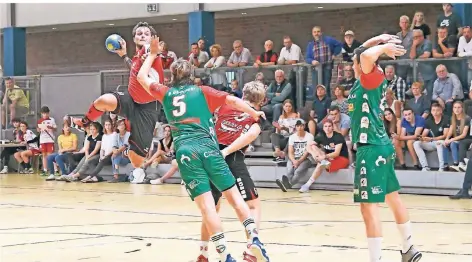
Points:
338	163
36	151
47	147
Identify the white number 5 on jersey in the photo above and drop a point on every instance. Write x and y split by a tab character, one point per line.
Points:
181	106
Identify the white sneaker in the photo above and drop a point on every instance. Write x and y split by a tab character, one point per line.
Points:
51	178
441	170
4	170
462	167
304	189
466	161
426	169
156	182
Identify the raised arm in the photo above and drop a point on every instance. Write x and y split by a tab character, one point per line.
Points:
243	140
150	85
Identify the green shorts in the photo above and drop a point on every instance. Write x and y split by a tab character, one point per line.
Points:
201	162
374	174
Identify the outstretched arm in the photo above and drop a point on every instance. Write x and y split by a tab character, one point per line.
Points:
243	140
240	105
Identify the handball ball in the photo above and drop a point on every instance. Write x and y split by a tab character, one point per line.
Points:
113	43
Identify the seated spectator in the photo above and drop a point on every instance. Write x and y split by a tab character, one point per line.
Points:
218	77
348	79
330	152
30	141
446	89
261	79
392	102
321	52
165	150
464	49
396	84
118	157
461	134
267	58
290	54
422	48
285	126
450	19
74	158
432	139
17	100
197	81
340	100
67	143
106	152
420	104
241	56
420	23
350	43
393	128
468	103
7	152
444	45
197	57
341	122
278	91
412	127
321	104
91	153
235	89
310	124
298	162
46	128
168	57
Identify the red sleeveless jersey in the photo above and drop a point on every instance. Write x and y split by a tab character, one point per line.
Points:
136	91
231	124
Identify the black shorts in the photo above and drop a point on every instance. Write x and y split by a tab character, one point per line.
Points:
239	170
142	117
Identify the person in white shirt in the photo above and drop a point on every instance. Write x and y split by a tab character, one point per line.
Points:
290	54
298	161
46	128
464	49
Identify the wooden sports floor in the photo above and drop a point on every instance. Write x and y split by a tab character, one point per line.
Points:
62	222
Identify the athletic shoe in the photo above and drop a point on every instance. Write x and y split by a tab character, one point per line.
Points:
466	161
156	182
51	178
44	173
412	255
70	178
304	189
249	258
30	171
426	169
61	178
57	173
462	194
279	160
4	170
114	180
202	258
455	168
462	166
229	258
257	248
281	185
286	182
79	123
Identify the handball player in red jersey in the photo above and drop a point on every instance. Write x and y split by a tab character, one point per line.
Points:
137	104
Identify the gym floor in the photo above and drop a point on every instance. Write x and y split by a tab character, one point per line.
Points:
62	222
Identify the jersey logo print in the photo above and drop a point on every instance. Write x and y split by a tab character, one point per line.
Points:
184	158
365	122
380	160
241	117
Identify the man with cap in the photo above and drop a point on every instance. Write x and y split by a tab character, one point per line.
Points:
321	103
350	43
298	162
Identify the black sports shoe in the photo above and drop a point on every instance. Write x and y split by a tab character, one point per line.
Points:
461	195
281	185
286	182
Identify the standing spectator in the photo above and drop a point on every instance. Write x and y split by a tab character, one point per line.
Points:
412	126
348	79
290	54
406	36
332	154
30	140
168	57
464	48
392	102
197	57
285	126
267	58
321	104
67	143
118	158
340	100
218	76
460	129
201	44
446	89
15	97
241	56
421	48
432	139
444	45
320	53
350	43
46	128
9	151
396	83
450	20
278	91
420	104
298	161
419	22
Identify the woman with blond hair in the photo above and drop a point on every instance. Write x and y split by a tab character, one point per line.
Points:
218	76
393	103
420	23
458	138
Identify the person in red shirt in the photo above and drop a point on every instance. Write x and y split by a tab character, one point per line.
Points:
137	104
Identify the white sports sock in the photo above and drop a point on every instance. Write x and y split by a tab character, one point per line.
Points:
310	181
204	248
251	228
220	244
405	232
375	249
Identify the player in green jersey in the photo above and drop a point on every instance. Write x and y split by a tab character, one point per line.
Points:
375	180
189	109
